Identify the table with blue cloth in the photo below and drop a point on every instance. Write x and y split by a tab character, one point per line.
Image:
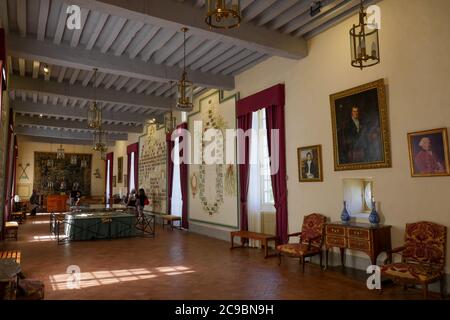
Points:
99	225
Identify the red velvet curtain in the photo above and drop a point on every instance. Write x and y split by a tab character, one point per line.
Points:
170	146
244	123
110	158
10	160
130	149
271	99
275	121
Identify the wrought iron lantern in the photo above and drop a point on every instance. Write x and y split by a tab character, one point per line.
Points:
364	42
223	14
94	113
100	142
185	88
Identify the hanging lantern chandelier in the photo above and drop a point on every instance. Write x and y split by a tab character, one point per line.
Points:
223	14
94	113
50	163
100	142
185	88
60	154
364	42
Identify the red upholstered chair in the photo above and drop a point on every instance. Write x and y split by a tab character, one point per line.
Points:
423	257
311	240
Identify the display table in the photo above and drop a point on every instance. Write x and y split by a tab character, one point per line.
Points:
99	225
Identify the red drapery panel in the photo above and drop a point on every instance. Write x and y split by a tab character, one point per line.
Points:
170	146
184	182
109	157
273	96
273	100
16	155
244	123
274	121
9	168
3	64
130	149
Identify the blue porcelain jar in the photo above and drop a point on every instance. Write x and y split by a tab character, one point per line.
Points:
374	218
345	216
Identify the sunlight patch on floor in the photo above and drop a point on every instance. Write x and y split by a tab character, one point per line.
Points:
97	278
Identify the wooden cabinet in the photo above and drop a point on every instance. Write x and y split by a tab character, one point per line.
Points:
363	237
57	203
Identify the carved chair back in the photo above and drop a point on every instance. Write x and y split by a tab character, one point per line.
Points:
313	229
425	243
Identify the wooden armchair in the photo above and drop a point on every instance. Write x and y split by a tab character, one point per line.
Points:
423	257
311	240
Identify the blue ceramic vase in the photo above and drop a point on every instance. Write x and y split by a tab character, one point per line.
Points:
374	218
345	216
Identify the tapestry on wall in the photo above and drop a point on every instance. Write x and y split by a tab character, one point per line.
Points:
53	176
152	167
213	187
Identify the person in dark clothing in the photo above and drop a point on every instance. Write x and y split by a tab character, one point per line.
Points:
75	196
141	201
34	202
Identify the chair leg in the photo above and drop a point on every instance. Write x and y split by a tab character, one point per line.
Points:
279	258
303	264
443	288
425	291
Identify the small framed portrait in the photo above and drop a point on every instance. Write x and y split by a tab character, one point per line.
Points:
428	153
310	164
114	181
360	128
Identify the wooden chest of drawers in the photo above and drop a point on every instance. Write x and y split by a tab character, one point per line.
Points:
358	236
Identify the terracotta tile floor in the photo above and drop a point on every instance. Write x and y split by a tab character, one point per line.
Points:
178	265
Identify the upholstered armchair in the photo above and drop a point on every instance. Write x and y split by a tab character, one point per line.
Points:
311	240
423	257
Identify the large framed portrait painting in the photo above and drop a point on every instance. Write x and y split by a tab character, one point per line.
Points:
428	153
360	128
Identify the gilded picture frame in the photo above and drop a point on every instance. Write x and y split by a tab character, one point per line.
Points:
361	137
429	153
310	164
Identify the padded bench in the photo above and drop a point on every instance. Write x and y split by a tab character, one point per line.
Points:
170	219
11	230
264	238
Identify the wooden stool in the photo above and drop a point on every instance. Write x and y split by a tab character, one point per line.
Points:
11	230
170	219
